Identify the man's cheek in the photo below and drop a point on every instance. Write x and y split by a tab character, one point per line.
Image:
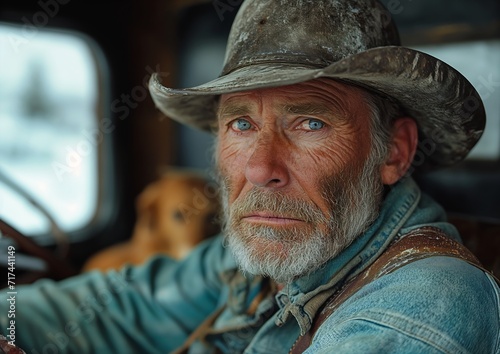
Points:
232	167
232	150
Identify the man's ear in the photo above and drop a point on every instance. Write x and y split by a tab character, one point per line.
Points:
403	145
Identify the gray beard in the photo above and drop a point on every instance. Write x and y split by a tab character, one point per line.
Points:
284	254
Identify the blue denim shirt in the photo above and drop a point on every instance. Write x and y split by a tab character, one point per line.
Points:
435	305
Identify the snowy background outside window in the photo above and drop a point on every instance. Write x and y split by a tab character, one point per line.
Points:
48	111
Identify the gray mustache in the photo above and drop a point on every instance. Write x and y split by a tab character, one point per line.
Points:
276	203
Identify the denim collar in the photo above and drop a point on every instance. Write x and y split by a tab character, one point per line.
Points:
403	209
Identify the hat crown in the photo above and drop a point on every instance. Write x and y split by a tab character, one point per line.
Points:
313	33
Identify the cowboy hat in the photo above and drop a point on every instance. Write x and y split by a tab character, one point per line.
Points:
276	43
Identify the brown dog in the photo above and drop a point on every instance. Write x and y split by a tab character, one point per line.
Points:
174	214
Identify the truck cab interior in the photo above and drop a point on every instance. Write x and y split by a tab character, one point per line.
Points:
80	137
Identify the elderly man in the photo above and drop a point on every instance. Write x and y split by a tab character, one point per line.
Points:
331	246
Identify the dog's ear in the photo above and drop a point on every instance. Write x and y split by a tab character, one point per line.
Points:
147	198
146	206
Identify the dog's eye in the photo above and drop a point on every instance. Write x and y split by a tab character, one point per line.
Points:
178	216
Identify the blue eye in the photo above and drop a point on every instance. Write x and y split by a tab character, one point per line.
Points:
241	125
313	124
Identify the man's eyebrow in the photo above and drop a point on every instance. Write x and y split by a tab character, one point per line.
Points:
307	109
232	110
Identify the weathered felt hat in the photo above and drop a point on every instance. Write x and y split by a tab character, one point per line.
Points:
282	42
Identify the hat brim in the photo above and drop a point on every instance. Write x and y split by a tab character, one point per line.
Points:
448	110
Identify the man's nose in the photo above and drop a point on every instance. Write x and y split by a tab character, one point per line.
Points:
267	166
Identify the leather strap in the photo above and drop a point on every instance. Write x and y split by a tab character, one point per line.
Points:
418	244
205	327
199	332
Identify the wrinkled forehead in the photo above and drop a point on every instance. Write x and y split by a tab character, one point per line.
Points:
311	97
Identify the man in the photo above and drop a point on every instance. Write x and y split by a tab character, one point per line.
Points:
331	246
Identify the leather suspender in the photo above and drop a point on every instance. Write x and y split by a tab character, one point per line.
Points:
418	244
199	332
